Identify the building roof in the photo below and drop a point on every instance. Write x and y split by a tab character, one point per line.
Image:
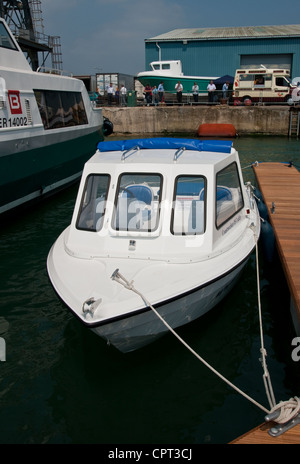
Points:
218	33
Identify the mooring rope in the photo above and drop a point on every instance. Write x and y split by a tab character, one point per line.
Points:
266	375
118	277
286	410
281	412
255	163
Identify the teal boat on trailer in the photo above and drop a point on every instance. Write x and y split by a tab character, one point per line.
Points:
48	128
170	72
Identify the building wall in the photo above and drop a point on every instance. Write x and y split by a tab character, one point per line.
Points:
219	57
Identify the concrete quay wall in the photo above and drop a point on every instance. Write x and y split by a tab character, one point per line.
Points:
265	120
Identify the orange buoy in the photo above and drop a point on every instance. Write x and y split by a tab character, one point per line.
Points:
216	130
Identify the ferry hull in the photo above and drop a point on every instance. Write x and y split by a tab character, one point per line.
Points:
30	175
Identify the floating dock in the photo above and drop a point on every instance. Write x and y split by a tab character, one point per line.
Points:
279	184
260	436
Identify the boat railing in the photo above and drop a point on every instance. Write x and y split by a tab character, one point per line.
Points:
59	72
125	153
178	153
170	99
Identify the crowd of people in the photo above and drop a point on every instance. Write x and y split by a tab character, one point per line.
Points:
156	95
119	96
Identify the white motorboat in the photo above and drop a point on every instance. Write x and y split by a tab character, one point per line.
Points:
169	219
48	128
170	72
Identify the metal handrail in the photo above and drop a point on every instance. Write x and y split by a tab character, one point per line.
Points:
127	151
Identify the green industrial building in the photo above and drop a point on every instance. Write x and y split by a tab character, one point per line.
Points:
220	51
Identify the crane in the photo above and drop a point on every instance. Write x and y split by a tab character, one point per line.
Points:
24	18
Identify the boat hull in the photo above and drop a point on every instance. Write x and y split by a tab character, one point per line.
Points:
171	81
136	331
43	165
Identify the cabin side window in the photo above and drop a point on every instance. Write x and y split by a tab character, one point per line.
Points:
188	215
229	198
60	108
5	39
137	202
93	203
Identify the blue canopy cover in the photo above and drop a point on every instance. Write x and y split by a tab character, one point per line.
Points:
221	146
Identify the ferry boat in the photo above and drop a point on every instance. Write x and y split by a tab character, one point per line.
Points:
170	72
48	128
161	230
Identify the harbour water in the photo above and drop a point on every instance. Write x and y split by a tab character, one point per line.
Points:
61	384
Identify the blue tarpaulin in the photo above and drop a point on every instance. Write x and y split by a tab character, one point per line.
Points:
221	146
224	79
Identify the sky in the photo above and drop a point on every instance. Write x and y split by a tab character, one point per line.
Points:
108	36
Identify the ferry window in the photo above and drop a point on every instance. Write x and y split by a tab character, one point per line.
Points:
229	198
92	209
137	202
5	39
165	66
156	67
188	215
60	108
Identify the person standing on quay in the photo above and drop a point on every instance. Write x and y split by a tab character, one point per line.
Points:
225	89
117	96
195	92
179	89
161	92
155	95
211	91
123	92
148	94
110	92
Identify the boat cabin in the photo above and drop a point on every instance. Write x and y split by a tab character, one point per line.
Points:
167	67
168	199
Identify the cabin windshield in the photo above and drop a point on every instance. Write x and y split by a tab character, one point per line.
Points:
229	199
137	202
5	39
188	217
93	203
